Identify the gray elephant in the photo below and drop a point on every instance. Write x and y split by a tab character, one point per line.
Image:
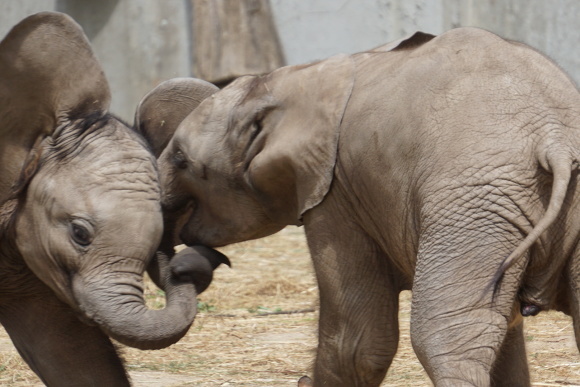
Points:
446	165
80	214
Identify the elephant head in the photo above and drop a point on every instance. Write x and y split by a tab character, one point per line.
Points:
233	170
84	186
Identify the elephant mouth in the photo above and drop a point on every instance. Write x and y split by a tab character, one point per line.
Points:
176	203
86	319
85	316
188	240
69	297
175	222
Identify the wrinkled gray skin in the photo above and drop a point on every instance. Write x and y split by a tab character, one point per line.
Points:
446	165
80	214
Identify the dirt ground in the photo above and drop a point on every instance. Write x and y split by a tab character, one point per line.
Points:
257	327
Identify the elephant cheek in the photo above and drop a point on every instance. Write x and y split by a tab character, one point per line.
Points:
46	266
58	281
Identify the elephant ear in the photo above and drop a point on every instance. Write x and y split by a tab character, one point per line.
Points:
408	42
48	76
292	158
161	111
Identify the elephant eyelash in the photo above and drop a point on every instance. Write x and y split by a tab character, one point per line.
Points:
179	160
257	126
254	129
203	172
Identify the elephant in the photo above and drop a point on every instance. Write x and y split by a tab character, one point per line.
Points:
80	214
445	165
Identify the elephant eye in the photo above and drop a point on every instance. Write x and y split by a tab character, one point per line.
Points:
80	234
179	160
256	128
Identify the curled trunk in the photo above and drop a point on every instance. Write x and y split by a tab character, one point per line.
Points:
118	307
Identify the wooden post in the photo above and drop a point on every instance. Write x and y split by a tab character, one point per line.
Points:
233	38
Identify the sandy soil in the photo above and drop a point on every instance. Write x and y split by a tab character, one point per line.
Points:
257	327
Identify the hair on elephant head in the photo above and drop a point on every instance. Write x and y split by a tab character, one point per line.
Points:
81	210
443	164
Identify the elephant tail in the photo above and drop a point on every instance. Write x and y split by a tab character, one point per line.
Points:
561	167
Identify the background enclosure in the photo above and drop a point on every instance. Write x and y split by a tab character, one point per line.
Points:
143	42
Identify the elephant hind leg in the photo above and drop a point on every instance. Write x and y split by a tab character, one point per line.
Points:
571	305
456	333
511	366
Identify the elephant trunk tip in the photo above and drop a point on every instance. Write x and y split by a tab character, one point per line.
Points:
196	264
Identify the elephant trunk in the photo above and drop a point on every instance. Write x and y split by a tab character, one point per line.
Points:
119	309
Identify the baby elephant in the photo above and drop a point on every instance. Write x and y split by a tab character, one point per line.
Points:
80	214
446	165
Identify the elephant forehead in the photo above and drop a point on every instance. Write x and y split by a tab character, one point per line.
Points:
201	137
124	168
221	108
109	158
213	117
210	117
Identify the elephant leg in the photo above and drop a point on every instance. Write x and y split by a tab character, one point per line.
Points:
511	366
57	346
456	328
573	305
358	326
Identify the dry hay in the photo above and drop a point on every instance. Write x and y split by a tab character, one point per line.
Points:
240	337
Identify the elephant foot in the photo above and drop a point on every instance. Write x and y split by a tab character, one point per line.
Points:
305	381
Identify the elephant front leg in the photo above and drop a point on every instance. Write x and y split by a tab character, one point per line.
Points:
572	299
358	327
57	346
457	331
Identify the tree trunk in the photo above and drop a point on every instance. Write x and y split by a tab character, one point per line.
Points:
233	38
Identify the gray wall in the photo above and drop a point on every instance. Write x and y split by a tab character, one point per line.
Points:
317	29
142	42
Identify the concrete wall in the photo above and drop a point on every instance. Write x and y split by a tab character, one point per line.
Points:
312	30
142	42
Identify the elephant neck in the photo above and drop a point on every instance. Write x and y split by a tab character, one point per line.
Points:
9	252
13	270
8	211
